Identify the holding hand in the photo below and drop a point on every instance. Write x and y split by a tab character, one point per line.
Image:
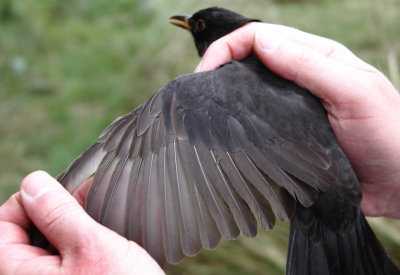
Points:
84	246
363	106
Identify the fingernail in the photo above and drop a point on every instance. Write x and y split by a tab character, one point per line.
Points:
36	184
198	68
266	40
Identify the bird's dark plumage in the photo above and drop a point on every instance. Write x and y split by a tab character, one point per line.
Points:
215	153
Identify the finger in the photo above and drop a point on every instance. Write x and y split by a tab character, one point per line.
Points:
81	193
310	69
12	211
320	44
14	242
234	46
238	44
13	221
55	212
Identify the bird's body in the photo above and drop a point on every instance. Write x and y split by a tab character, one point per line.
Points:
212	154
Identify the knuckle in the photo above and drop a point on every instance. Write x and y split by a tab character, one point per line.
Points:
305	57
333	47
303	60
374	79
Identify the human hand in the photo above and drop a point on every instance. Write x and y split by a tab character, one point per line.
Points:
84	246
363	106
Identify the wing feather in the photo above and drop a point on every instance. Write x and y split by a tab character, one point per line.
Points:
190	240
112	212
298	189
135	203
152	213
279	199
83	167
215	203
213	173
201	159
172	227
98	189
259	206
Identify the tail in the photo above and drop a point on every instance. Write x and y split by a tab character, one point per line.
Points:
316	248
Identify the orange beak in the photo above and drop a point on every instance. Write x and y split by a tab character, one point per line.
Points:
181	21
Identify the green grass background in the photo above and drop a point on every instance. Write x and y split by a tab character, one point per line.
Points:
68	68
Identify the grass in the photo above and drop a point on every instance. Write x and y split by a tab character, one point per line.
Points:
68	68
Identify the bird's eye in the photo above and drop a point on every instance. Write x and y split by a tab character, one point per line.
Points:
200	25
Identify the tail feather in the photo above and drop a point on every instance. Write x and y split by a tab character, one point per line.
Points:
316	248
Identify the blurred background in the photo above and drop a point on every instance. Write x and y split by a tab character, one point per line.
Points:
68	68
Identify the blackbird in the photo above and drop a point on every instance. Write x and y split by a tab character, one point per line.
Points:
215	153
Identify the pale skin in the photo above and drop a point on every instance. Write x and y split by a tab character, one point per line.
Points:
363	108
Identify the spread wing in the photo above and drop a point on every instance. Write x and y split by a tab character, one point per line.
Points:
209	155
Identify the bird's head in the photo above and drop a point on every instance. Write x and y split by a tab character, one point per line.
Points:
208	25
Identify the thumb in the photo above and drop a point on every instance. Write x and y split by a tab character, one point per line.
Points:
309	67
54	211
